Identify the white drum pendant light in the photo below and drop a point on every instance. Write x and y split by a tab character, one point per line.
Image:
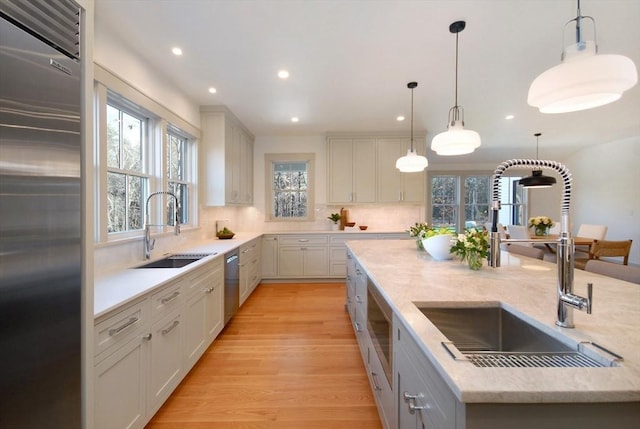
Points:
412	162
456	140
584	79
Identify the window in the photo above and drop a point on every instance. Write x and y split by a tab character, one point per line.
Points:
127	180
465	199
289	186
177	177
141	148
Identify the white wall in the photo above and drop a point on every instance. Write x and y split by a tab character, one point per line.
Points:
607	190
117	57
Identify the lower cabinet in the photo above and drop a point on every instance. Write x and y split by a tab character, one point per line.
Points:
303	256
250	267
423	398
143	350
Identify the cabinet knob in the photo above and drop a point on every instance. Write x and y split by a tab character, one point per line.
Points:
147	337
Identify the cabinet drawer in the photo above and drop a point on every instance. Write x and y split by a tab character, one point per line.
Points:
166	299
302	240
120	327
207	274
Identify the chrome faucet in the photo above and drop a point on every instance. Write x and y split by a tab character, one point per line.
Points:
148	243
567	300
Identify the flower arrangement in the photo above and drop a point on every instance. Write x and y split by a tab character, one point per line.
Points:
421	230
472	247
541	224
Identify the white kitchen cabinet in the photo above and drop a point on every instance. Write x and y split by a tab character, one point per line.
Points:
338	251
204	309
120	375
393	186
250	268
351	170
424	400
303	256
165	360
269	260
226	159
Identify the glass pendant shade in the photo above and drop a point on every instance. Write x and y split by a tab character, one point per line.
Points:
537	180
411	163
456	141
583	80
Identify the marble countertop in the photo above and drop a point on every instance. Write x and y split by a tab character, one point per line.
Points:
116	289
528	287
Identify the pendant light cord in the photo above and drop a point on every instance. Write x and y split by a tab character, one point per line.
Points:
411	119
537	142
456	91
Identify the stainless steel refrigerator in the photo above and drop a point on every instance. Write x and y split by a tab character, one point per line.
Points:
40	215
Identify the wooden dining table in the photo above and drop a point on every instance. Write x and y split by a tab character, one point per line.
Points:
578	241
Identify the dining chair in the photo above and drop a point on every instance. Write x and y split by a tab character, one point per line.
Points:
519	231
627	273
596	232
607	249
531	252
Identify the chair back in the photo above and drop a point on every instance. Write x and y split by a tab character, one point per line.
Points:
610	269
519	231
597	232
531	252
608	248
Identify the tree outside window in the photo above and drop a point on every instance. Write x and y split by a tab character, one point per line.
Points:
177	184
126	179
290	186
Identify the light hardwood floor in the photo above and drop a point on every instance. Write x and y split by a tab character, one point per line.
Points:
288	359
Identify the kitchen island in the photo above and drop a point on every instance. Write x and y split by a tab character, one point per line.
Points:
405	276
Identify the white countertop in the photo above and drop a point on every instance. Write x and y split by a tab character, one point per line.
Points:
115	289
406	275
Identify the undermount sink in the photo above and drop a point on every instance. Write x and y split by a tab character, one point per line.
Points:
177	260
493	336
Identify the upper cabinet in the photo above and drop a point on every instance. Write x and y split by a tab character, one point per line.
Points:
352	170
226	159
363	170
394	186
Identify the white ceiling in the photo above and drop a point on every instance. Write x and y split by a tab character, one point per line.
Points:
350	62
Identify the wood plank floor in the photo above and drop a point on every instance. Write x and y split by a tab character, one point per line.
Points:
288	359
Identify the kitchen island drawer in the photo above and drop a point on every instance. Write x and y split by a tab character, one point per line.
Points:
120	327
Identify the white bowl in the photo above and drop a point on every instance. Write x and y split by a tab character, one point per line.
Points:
438	246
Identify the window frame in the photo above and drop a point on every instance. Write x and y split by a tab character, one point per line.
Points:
271	159
461	177
109	88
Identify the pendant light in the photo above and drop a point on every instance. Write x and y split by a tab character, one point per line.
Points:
584	79
537	179
412	162
456	140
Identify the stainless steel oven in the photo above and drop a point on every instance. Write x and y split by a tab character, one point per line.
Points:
379	326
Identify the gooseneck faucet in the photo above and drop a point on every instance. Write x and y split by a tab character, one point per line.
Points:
148	243
567	300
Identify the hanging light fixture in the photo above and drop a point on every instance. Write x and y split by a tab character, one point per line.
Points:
456	140
584	79
537	179
412	162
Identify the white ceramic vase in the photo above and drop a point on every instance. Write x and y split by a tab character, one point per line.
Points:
438	246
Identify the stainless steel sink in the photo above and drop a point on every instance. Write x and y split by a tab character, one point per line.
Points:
177	260
493	336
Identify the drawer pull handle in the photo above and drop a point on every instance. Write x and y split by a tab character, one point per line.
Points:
170	328
147	337
170	298
116	331
303	240
245	251
376	385
357	327
412	400
209	290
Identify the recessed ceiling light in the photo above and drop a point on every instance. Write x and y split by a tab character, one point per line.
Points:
295	119
508	117
283	74
176	51
400	118
212	90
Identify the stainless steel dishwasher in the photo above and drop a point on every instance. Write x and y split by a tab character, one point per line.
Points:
231	284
